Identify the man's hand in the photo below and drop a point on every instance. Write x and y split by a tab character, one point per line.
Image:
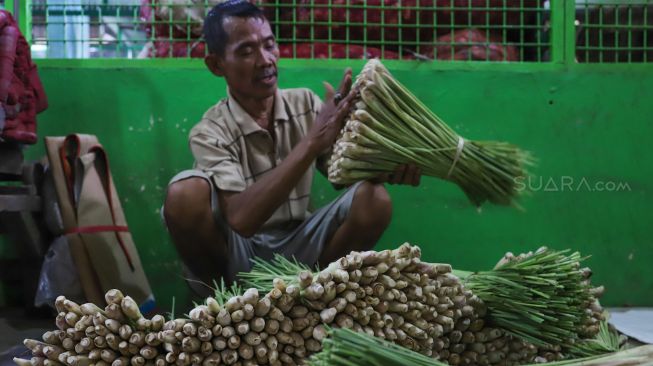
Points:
407	174
332	116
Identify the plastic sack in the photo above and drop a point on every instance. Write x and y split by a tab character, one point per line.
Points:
58	276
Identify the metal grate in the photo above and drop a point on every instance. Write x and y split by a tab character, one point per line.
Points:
482	30
614	31
496	30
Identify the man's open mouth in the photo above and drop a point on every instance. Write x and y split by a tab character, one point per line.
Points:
268	77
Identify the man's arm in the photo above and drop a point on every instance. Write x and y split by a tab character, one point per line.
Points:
247	211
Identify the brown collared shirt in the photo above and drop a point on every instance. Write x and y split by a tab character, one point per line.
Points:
235	151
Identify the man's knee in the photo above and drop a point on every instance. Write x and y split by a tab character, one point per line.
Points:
373	205
187	202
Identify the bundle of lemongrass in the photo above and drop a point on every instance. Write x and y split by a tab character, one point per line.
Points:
544	297
344	347
237	329
390	126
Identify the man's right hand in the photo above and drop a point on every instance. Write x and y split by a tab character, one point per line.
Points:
331	117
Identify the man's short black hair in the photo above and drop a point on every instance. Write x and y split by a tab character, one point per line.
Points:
215	36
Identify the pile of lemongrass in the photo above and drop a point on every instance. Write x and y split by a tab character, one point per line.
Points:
117	335
393	295
344	347
390	294
544	297
390	126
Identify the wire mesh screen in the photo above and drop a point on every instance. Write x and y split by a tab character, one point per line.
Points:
614	31
481	30
496	30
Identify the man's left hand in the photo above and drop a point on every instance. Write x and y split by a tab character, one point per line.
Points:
407	174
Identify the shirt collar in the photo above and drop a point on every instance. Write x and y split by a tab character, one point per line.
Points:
246	122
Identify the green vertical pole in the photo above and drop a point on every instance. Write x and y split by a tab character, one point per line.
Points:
22	12
570	31
563	32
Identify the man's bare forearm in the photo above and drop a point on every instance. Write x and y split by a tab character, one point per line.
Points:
247	211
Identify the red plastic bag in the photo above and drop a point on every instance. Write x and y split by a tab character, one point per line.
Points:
472	44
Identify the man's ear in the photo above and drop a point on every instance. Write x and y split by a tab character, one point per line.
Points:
213	63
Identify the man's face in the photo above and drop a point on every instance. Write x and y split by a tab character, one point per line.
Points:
249	63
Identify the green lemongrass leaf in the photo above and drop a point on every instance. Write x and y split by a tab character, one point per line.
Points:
264	272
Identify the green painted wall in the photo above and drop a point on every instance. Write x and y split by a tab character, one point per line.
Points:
591	122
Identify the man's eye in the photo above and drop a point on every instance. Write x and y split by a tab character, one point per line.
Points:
246	51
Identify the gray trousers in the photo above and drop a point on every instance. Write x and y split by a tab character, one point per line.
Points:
303	240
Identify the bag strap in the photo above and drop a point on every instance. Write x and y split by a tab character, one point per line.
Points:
102	168
68	154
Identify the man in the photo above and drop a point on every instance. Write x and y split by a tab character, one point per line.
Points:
254	157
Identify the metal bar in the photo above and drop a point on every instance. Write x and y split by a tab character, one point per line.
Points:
383	27
557	37
435	30
645	33
347	30
188	32
417	29
601	32
504	39
452	19
539	35
294	33
587	52
400	24
521	30
487	30
469	26
365	29
330	42
630	34
569	31
312	30
102	30
616	34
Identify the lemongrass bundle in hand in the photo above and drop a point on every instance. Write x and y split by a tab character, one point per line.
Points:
390	126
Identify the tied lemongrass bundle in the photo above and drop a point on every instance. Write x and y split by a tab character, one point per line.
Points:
544	297
344	347
390	126
348	348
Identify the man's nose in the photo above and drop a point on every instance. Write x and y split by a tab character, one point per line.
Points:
265	57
